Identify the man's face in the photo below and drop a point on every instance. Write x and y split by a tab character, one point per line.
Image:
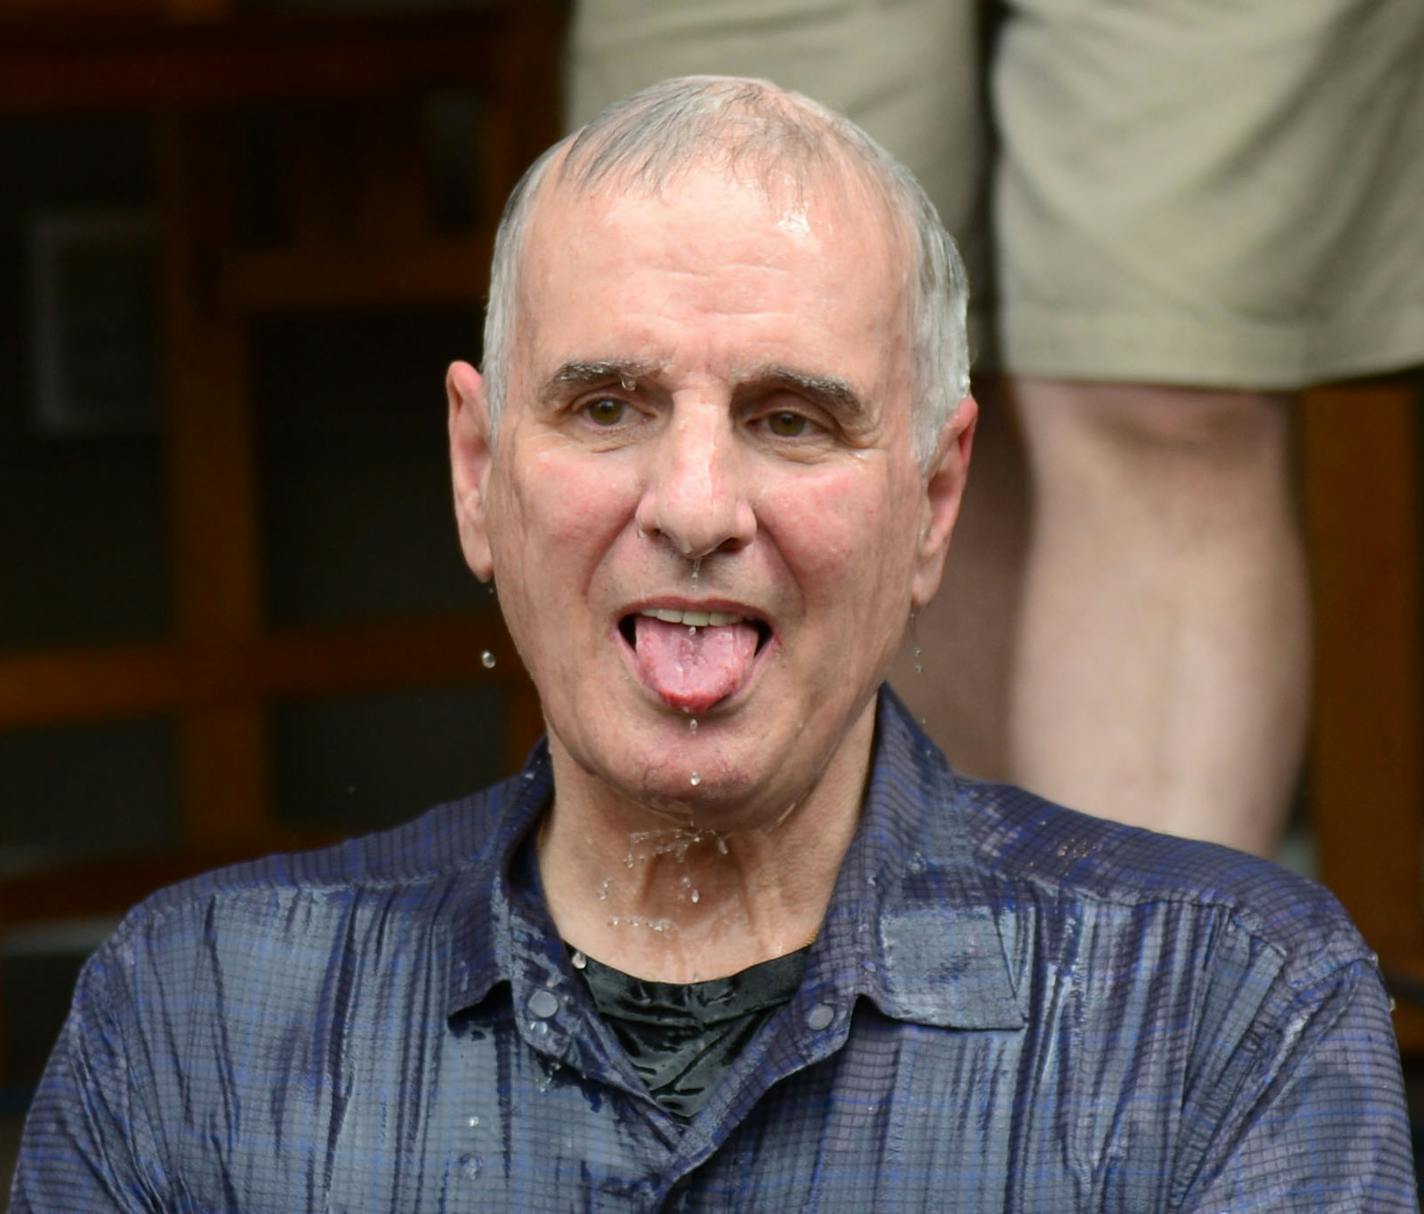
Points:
708	411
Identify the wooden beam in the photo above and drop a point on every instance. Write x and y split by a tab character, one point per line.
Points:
308	278
56	67
1360	456
212	475
66	686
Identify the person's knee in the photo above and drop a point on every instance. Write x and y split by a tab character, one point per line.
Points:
1191	423
1152	431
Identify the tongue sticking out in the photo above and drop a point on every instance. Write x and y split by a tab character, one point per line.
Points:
693	668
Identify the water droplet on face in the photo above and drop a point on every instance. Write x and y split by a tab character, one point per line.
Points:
692	725
695	896
628	383
696	568
694	779
487	660
692	630
578	960
721	846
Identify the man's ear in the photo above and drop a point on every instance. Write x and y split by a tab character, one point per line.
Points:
944	491
471	453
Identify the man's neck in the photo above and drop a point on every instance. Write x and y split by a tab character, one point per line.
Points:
678	900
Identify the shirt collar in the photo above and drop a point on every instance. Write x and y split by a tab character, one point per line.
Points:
485	926
911	925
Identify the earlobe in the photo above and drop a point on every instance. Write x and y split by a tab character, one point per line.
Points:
944	493
471	454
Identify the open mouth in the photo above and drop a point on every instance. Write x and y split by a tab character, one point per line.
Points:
693	659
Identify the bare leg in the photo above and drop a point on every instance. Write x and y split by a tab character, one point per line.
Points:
1157	660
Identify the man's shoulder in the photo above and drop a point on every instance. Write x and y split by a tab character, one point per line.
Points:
1023	842
410	863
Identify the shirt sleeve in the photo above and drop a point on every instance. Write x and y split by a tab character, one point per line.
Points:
1308	1113
87	1142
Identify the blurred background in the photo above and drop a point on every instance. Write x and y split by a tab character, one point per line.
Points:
240	240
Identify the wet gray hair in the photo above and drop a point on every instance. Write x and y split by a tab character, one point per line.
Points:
647	138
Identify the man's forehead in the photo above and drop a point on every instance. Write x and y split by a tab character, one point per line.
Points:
839	192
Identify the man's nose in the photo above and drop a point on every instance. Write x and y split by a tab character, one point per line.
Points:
695	489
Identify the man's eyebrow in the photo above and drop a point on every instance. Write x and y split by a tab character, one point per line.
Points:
589	374
829	391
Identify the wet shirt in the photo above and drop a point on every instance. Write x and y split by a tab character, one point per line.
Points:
1010	1007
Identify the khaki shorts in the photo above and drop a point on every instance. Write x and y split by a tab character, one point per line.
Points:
1170	191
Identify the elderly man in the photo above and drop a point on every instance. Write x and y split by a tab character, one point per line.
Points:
736	938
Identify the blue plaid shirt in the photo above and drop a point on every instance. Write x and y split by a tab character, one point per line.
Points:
1010	1006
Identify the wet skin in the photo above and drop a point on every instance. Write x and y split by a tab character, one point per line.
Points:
718	379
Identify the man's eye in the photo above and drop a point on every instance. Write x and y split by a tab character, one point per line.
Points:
786	424
605	411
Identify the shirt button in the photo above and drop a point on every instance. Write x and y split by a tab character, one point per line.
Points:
543	1004
820	1017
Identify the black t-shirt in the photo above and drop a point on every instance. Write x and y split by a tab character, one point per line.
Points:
682	1037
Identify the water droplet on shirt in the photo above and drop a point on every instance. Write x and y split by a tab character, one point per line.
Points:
694	779
470	1166
472	1122
578	960
487	660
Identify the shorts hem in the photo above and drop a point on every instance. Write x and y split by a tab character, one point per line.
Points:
1240	354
